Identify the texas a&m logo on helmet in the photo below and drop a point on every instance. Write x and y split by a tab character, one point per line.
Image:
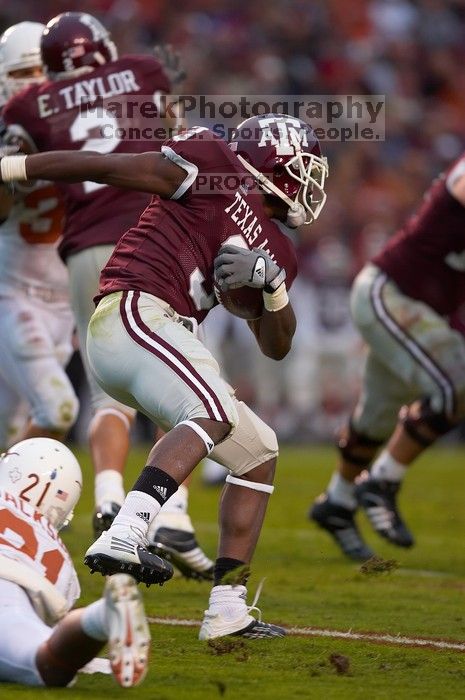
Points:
284	155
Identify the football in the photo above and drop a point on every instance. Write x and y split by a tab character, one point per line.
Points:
244	302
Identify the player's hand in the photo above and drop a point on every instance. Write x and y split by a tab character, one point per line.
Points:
171	62
8	150
237	267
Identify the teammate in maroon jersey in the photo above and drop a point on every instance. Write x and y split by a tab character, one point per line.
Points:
157	283
401	303
95	101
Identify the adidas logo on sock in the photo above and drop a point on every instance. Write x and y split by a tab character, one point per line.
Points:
144	516
162	490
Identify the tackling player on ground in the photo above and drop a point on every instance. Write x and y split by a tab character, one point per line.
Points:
41	642
402	302
141	344
95	100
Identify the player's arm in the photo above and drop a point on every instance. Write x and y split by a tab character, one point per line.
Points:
238	267
274	331
147	172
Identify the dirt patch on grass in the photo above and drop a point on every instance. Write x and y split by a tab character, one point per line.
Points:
236	647
341	663
377	565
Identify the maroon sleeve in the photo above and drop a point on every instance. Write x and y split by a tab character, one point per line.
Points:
19	112
150	70
200	153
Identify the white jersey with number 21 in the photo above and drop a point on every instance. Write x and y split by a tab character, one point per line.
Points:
33	555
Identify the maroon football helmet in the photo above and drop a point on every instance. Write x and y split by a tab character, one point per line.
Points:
284	155
74	43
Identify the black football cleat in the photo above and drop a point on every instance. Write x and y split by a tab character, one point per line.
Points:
379	501
181	549
260	630
104	516
118	554
341	525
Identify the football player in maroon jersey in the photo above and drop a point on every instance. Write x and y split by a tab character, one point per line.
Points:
401	302
157	283
95	100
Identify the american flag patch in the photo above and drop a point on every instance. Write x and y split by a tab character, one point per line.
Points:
62	495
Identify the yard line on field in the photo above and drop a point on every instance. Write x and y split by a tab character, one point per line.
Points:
427	573
375	637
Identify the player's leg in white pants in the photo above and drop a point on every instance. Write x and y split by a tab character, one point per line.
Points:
160	367
35	347
109	429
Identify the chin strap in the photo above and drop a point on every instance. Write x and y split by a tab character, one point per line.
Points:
296	216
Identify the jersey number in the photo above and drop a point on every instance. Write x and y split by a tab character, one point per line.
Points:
42	218
197	292
52	561
95	121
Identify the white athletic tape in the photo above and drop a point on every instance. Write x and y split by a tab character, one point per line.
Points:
276	300
254	485
203	435
13	168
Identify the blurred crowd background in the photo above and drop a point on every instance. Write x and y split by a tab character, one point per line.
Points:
412	51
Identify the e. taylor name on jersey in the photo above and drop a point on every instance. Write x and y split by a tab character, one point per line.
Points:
87	91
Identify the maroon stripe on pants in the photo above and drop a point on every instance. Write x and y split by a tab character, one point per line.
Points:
159	355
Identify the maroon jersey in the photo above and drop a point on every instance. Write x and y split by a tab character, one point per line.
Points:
426	258
170	252
110	110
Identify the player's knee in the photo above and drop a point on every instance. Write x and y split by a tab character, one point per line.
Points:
104	418
263	473
225	423
424	424
356	448
253	446
58	413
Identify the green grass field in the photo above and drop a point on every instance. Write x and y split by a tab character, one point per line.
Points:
308	584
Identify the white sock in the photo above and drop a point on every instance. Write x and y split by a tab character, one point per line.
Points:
109	487
174	513
138	510
94	620
341	491
177	503
386	468
229	601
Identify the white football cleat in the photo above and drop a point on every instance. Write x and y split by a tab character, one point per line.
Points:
124	550
229	615
128	631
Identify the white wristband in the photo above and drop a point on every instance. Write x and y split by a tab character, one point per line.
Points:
13	168
277	300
